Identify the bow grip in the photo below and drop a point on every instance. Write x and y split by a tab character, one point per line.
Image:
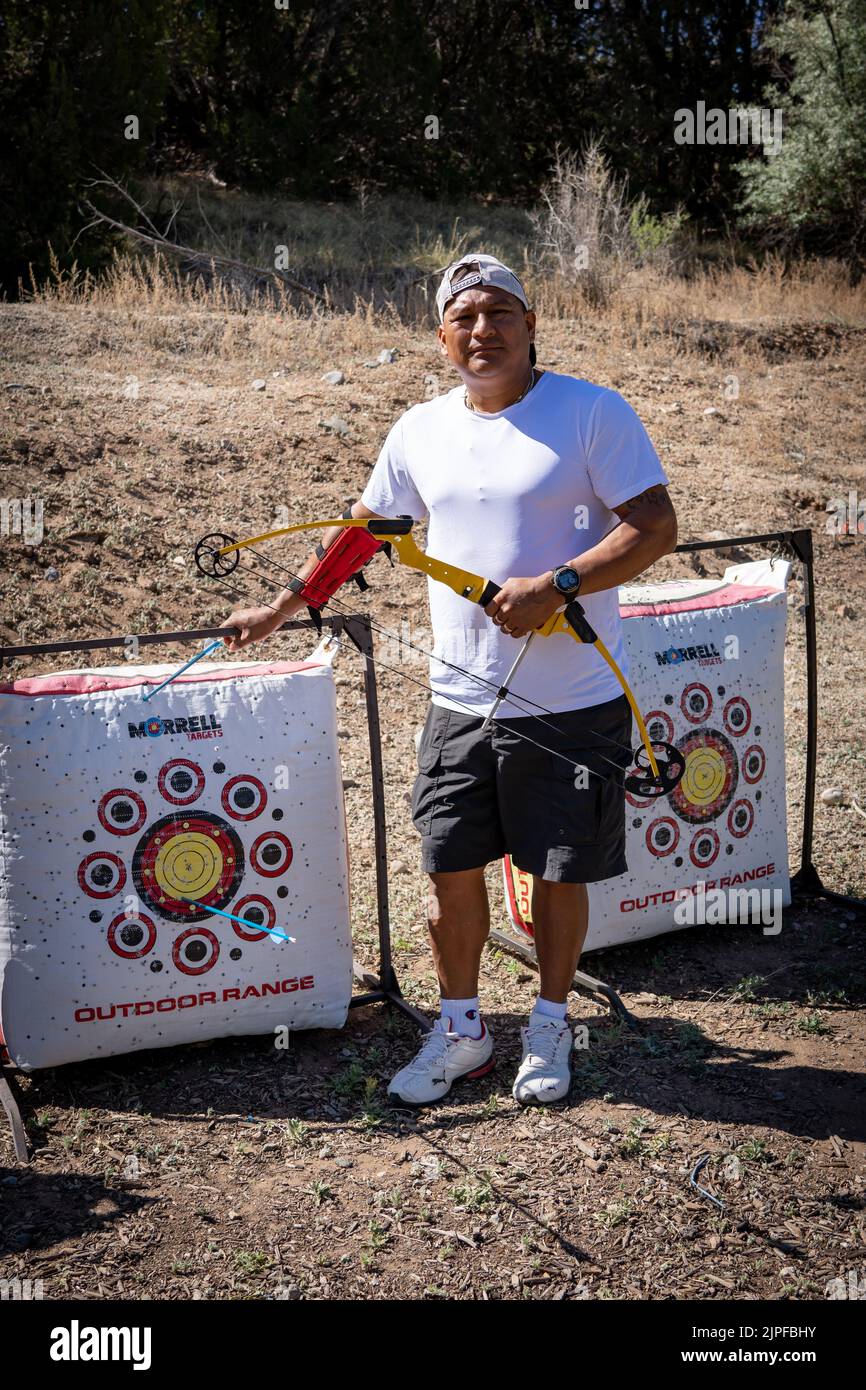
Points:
578	621
488	593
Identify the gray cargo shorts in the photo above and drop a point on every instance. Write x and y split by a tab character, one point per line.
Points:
480	796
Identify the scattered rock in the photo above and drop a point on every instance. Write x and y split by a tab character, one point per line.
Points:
845	611
399	867
387	356
52	573
335	425
259	384
714	410
334	378
349	783
833	796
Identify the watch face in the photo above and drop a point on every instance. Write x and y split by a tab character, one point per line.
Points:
567	580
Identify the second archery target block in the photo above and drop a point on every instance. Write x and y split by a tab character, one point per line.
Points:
706	659
156	855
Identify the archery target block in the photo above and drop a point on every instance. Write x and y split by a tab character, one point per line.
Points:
706	660
129	828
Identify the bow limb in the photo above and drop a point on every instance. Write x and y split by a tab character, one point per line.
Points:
572	620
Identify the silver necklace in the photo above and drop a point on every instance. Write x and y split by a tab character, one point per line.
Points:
525	392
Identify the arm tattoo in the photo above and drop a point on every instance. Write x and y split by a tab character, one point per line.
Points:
653	497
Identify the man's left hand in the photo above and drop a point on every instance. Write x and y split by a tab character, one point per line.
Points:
524	604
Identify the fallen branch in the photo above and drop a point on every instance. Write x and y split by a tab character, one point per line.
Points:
156	239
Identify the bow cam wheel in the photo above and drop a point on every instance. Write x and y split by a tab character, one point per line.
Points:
671	765
209	561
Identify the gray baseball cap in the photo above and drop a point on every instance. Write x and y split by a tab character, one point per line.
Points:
477	270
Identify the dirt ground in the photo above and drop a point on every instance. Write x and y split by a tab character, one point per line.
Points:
230	1170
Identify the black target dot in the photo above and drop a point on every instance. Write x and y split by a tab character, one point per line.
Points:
283	892
244	798
720	690
95	916
637	823
140	776
277	814
132	934
757	796
669	699
180	780
195	950
156	966
122	812
89	836
757	729
679	861
729	849
102	875
219	767
272	854
235	953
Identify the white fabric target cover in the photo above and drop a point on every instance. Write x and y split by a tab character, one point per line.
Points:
706	661
126	824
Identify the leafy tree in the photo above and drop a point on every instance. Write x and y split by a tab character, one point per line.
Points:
814	189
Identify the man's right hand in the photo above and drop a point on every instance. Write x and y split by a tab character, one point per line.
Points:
255	624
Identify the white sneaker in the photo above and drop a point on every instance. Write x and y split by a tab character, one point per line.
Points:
545	1072
444	1057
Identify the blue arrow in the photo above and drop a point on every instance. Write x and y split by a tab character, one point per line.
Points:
206	651
250	926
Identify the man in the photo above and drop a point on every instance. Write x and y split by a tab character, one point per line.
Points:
521	473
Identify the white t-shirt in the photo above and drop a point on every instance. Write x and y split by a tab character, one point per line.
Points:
512	495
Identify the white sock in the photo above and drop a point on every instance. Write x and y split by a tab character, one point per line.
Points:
549	1009
465	1016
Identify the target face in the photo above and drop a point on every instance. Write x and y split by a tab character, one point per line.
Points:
101	874
741	818
258	911
754	764
660	726
271	854
737	716
132	935
704	848
121	812
696	703
662	836
187	859
181	782
244	798
710	778
195	951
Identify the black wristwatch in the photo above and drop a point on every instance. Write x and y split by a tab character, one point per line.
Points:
566	581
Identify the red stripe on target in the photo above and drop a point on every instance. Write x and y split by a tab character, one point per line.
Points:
741	818
170	771
192	962
115	815
255	933
271	854
111	862
696	703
